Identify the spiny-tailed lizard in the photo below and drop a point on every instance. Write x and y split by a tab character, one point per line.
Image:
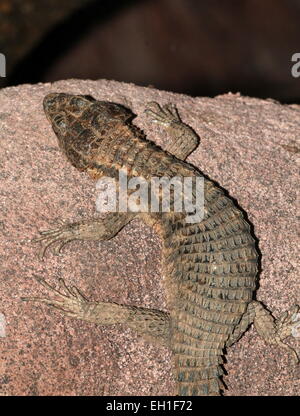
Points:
210	266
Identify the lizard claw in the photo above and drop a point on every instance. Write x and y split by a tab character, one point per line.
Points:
165	115
288	324
58	236
69	299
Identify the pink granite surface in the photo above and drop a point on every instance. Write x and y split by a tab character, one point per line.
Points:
248	145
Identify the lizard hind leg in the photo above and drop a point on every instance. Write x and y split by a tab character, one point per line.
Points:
152	324
273	331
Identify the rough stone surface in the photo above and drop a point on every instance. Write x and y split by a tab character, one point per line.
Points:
247	145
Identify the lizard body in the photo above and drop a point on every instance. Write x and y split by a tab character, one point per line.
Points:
210	266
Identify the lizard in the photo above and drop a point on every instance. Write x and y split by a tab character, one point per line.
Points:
210	266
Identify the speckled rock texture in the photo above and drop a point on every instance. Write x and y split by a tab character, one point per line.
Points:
247	145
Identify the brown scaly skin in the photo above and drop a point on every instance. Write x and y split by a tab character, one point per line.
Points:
210	267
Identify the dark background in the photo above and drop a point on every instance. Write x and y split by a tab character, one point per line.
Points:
197	47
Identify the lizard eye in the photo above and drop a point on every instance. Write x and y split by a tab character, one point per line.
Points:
77	104
59	121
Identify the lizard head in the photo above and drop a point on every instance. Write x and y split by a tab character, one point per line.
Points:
81	123
75	105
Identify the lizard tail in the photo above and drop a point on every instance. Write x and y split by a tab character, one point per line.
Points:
211	269
195	379
198	358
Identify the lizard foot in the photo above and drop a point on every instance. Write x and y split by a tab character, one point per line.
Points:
75	305
58	236
72	303
288	324
184	139
164	115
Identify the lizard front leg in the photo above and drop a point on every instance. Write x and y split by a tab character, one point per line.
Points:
153	324
94	229
183	139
